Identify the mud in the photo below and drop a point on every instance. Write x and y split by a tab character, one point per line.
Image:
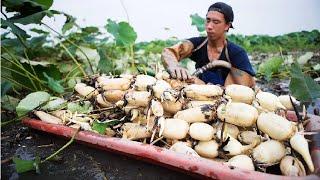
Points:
75	162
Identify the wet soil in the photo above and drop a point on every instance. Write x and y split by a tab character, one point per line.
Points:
75	162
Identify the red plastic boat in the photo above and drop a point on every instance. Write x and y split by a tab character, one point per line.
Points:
203	168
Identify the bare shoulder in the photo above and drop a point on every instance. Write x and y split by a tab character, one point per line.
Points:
177	52
186	45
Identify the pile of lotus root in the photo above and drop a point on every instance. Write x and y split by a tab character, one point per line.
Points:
237	125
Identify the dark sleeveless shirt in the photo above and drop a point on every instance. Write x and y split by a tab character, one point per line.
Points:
238	58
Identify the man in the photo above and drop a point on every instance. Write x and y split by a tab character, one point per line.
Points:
212	48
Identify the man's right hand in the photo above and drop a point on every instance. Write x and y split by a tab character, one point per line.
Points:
171	57
178	72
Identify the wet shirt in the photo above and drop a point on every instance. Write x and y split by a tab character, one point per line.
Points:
237	55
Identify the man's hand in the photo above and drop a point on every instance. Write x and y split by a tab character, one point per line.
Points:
178	72
171	57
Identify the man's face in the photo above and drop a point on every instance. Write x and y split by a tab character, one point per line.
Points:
215	24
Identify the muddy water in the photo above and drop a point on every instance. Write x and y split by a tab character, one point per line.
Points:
75	162
281	87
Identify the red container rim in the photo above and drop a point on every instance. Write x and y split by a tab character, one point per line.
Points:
196	166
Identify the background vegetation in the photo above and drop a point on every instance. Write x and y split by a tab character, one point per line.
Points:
53	60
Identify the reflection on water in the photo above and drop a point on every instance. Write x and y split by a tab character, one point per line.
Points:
281	87
314	107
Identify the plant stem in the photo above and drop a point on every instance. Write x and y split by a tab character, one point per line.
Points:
125	10
63	147
27	74
17	119
17	83
8	122
3	12
21	40
24	75
67	76
18	36
71	42
18	64
15	91
132	56
74	60
34	72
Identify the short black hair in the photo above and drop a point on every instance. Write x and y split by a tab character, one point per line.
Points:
225	9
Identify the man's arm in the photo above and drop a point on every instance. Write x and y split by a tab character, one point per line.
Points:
171	57
237	76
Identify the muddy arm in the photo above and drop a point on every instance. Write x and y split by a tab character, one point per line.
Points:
172	55
237	76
